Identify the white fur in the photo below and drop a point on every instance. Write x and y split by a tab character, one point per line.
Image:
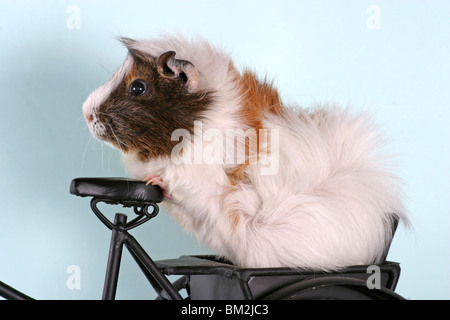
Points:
330	204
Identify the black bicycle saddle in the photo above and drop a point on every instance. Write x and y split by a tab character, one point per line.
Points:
121	190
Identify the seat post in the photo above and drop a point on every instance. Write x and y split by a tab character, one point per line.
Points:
115	254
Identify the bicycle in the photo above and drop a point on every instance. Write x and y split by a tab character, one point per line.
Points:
209	277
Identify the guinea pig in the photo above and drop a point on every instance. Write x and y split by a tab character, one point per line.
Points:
262	183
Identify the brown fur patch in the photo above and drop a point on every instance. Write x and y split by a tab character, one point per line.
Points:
228	207
237	174
258	98
234	217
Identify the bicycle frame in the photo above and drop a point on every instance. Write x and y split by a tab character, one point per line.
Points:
10	293
121	237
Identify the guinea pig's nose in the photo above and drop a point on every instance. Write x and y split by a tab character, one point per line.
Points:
88	116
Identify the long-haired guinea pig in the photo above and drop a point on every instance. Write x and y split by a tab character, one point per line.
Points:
261	183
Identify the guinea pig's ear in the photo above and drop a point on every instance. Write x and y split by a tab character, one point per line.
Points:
129	44
169	67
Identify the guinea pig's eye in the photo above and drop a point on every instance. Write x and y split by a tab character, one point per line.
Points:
138	87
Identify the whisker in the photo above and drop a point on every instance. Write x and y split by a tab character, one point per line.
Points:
103	152
84	154
116	138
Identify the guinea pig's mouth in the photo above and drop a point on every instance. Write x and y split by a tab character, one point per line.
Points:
100	131
106	132
97	129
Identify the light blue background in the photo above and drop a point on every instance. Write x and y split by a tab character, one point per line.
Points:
317	51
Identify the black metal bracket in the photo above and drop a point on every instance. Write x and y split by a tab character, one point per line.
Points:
140	209
121	237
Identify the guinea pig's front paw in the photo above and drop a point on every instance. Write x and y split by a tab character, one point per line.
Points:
156	180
